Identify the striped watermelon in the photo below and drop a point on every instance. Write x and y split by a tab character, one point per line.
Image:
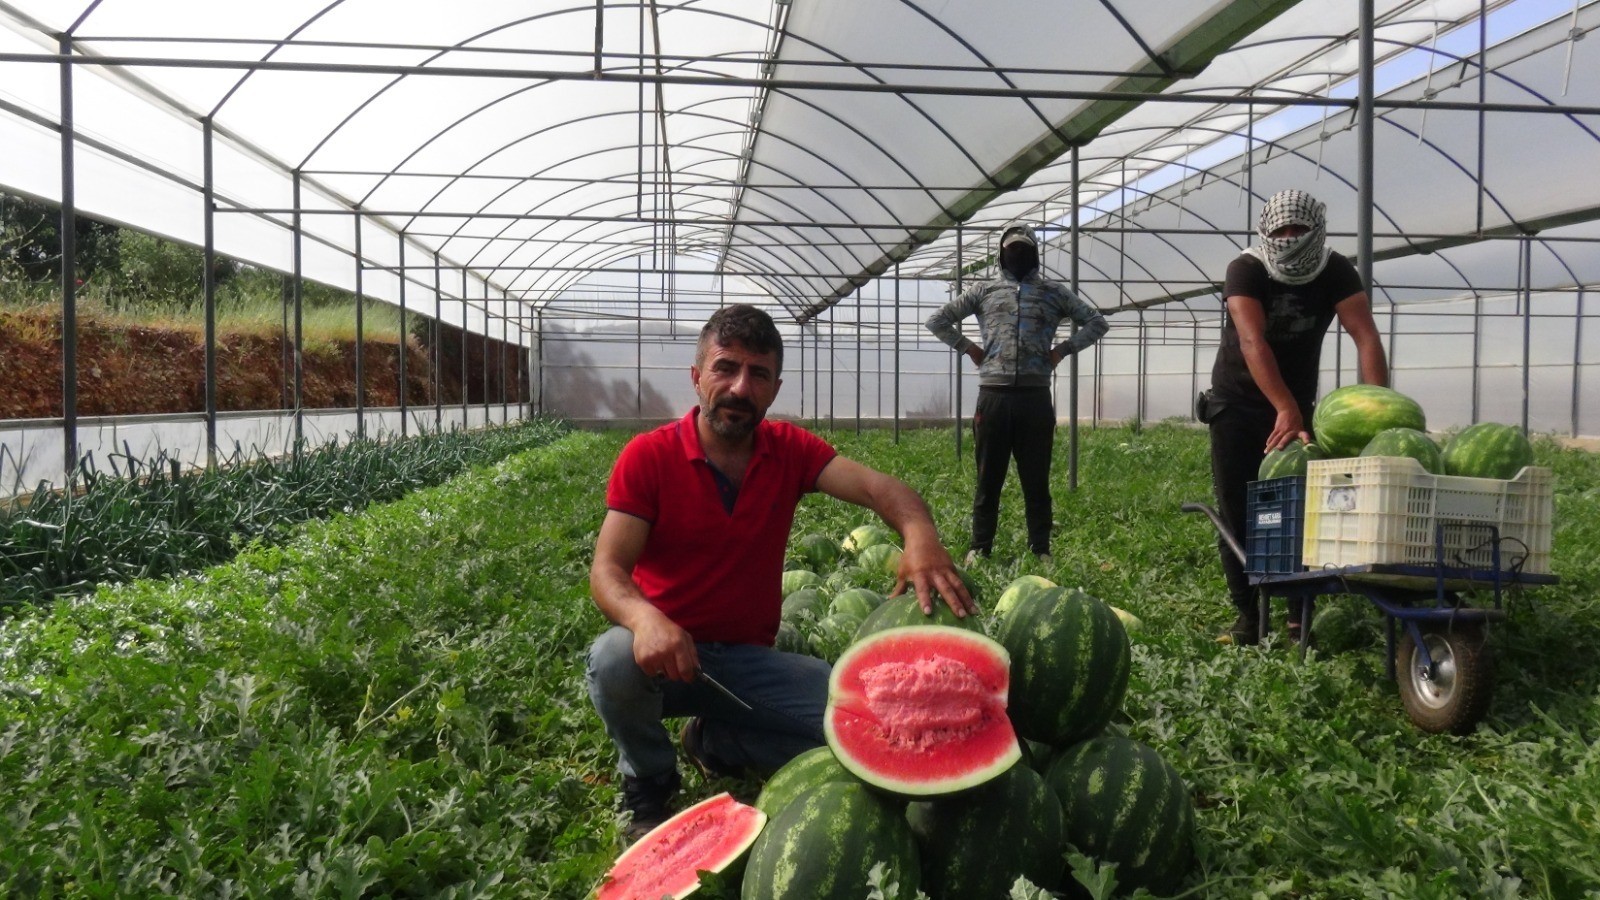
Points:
1288	460
804	605
813	768
825	843
1487	450
857	602
898	612
921	711
1070	662
1124	804
880	558
1349	417
1019	588
711	835
789	639
864	536
832	634
976	843
1407	442
796	579
817	553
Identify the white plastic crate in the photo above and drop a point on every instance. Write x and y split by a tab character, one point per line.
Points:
1383	509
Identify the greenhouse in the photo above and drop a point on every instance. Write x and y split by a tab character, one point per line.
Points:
363	674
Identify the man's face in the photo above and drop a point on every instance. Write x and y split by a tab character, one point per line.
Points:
736	386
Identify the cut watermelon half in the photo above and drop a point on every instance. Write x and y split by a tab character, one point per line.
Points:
708	836
920	711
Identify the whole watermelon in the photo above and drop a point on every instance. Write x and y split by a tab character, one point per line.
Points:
811	769
1124	804
790	639
796	579
1020	587
1349	417
857	602
1288	460
824	843
903	610
1407	442
818	553
1487	450
976	843
804	605
1070	661
832	634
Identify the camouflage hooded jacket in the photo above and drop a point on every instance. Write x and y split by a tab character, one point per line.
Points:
1017	321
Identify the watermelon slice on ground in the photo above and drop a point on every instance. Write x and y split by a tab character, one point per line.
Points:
711	835
920	711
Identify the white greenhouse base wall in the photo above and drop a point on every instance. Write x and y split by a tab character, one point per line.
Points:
32	450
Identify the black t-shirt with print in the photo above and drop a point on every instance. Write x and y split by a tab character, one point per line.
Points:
1297	318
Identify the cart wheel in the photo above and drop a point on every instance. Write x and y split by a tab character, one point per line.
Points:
1455	695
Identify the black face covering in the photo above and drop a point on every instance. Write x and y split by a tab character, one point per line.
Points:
1019	259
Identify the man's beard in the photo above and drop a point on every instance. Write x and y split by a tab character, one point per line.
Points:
733	430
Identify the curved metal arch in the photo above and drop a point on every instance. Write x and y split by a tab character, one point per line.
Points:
801	147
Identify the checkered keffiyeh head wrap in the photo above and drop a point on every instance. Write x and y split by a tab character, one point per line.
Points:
1293	260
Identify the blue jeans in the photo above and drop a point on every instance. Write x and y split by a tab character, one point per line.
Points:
788	692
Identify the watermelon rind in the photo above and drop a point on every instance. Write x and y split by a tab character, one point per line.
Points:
957	737
667	860
1070	664
1407	442
811	769
1349	417
825	843
1288	460
1126	805
904	610
977	843
1487	450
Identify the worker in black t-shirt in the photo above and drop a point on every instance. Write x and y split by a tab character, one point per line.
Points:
1281	295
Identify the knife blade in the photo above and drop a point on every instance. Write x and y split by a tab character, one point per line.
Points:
725	692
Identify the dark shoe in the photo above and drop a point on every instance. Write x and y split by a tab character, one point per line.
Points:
710	767
645	800
1244	632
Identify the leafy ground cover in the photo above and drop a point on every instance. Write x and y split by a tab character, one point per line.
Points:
391	703
132	518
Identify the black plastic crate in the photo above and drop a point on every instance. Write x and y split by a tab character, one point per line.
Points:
1274	525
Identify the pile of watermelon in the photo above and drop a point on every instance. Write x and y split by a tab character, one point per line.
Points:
963	754
1370	420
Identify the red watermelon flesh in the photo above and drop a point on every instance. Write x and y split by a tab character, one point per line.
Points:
921	710
710	835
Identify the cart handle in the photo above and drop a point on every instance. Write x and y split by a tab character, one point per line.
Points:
1222	527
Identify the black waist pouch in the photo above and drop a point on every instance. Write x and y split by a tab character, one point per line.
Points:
1206	406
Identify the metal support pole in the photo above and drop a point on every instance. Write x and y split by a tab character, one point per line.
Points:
484	343
438	348
858	361
503	336
464	424
405	415
299	325
1364	139
1072	365
69	269
1527	325
897	354
208	286
361	334
961	255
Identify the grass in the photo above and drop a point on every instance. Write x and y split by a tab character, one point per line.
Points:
246	305
391	703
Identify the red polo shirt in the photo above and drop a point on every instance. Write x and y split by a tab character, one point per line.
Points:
717	575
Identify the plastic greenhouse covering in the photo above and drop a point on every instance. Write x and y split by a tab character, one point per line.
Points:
589	180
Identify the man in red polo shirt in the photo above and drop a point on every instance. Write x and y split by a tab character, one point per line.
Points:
689	565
